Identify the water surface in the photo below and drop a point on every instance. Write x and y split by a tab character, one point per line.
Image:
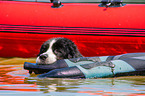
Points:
15	81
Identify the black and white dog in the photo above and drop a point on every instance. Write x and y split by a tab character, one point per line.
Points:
56	49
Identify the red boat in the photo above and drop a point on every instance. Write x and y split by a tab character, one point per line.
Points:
104	28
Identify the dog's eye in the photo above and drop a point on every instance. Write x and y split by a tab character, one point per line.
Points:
43	48
55	51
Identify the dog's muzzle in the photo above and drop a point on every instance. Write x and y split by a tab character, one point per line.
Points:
43	56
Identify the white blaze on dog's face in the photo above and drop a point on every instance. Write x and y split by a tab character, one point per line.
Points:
47	57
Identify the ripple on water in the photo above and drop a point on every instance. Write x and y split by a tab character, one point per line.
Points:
15	81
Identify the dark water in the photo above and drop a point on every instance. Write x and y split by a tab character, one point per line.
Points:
15	81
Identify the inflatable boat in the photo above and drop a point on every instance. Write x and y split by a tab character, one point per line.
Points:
98	28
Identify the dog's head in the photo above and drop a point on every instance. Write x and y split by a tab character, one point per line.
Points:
56	49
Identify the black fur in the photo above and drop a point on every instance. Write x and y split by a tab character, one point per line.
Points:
63	48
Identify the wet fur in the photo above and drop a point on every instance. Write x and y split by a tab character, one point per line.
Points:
56	49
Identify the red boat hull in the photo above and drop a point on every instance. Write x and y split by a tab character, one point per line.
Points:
24	26
17	45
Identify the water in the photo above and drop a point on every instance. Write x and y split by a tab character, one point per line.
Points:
15	81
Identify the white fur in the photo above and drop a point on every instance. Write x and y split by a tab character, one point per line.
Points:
51	56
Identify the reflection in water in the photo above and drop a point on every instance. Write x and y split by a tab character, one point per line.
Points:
14	80
113	86
12	75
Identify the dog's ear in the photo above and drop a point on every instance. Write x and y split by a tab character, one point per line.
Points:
74	52
66	49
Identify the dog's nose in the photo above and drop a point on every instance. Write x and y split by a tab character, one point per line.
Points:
43	56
